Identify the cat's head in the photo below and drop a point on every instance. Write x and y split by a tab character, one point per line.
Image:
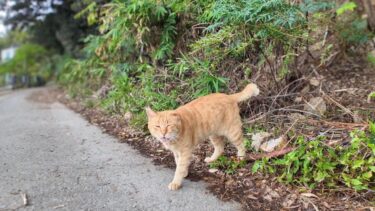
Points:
165	125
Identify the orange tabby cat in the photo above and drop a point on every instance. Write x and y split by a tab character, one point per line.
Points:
215	116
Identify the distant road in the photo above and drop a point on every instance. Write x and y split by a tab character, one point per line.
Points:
4	91
61	162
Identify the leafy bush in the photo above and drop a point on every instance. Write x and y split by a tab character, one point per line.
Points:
228	165
352	29
30	59
314	163
165	53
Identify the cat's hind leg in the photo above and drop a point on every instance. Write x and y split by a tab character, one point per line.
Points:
235	136
218	143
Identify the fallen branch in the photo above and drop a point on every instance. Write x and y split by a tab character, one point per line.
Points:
344	125
277	153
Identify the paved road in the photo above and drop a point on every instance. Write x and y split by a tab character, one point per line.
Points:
62	163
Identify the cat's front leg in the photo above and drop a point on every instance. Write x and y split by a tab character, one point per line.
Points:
182	168
175	155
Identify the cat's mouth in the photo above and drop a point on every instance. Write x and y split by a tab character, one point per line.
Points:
166	139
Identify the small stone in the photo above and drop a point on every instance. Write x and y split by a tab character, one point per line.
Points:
213	170
128	116
258	138
268	198
305	90
314	81
356	117
316	105
298	99
273	144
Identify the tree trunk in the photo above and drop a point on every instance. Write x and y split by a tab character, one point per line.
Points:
369	6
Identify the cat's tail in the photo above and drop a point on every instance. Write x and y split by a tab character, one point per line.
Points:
249	91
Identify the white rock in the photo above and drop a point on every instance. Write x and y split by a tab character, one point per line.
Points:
258	138
212	170
272	144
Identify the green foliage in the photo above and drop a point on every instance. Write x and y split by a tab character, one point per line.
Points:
347	6
247	144
269	17
313	6
356	33
228	165
29	59
371	59
371	95
351	28
149	27
153	54
127	94
80	77
90	11
13	38
313	163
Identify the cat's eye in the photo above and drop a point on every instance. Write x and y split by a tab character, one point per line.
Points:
157	126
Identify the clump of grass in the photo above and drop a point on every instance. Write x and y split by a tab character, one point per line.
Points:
314	163
228	165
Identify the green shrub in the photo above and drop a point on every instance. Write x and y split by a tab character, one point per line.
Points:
314	163
228	165
352	29
152	54
28	59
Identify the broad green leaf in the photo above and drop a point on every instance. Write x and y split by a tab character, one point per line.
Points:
371	124
367	175
256	166
357	164
356	182
347	6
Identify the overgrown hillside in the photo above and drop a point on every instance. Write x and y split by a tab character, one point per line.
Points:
167	53
312	60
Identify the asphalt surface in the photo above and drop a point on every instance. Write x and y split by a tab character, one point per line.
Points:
61	162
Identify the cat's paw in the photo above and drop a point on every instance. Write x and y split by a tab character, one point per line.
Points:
209	160
174	186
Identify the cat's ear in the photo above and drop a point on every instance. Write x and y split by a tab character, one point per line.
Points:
150	113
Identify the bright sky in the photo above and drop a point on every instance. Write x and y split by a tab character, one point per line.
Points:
2	27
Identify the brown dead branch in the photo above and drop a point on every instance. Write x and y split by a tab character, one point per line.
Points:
343	125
